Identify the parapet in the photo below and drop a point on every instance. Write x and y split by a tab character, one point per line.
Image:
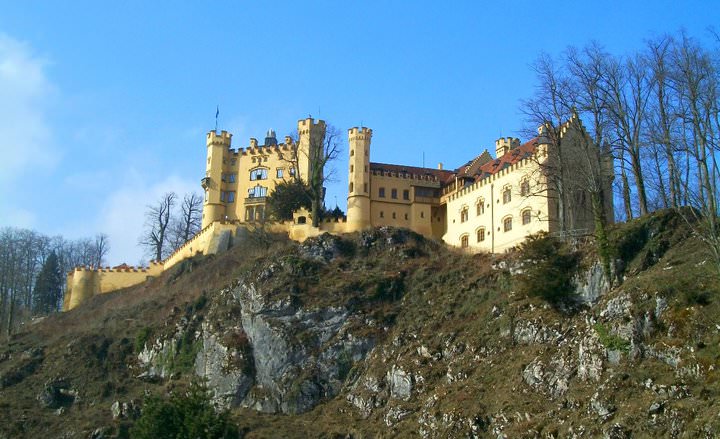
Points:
361	133
224	138
305	125
503	145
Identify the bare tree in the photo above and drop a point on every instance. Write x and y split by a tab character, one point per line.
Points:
187	222
321	152
550	108
157	222
627	88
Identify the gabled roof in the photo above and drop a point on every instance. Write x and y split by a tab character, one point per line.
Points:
510	158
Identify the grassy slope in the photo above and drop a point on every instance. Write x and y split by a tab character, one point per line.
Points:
457	307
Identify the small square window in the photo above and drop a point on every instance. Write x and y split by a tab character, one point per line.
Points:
381	192
406	194
279	173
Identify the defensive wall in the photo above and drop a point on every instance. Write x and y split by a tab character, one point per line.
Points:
86	282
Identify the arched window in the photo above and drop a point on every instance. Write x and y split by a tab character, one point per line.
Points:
526	216
352	152
481	234
464	241
507	224
258	174
507	195
480	207
525	188
464	214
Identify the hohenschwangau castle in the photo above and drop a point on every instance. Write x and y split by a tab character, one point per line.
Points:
487	205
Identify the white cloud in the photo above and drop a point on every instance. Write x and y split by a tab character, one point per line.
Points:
25	136
122	216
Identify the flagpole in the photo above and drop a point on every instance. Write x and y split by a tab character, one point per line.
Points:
217	113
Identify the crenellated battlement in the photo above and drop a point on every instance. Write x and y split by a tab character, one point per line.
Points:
222	139
306	125
123	268
361	133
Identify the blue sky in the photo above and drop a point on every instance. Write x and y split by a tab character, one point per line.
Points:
104	106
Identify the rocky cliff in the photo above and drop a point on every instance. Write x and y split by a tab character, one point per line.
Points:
385	334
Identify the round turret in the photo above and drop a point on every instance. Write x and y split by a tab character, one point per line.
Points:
358	202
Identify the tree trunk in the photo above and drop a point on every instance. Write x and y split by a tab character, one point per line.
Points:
626	194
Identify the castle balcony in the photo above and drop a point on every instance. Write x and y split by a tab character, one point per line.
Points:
427	200
205	182
250	201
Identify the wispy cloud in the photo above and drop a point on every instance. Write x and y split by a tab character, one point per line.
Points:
26	140
24	92
122	217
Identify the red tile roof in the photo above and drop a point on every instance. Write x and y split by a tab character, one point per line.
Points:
512	157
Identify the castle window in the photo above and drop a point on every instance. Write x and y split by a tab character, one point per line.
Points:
233	162
257	192
292	172
464	214
525	188
507	195
393	194
464	241
406	217
480	207
351	187
258	174
381	192
481	235
230	197
265	159
207	194
406	194
382	214
507	224
393	215
352	152
352	168
365	188
279	173
249	213
526	216
422	214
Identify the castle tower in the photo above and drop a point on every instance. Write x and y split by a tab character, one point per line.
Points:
217	148
311	135
358	202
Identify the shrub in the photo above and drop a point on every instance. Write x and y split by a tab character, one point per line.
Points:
141	338
548	269
189	415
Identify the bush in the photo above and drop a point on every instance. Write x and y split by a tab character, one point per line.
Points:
549	267
183	416
141	338
287	197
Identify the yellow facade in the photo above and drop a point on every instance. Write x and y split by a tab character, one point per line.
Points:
238	181
488	205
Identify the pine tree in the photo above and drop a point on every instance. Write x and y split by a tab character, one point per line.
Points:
48	287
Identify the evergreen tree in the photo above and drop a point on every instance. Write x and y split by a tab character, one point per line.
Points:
287	197
47	293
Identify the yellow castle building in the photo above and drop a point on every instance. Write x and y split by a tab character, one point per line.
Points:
486	205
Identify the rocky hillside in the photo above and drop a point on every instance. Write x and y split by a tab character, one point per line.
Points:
387	334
